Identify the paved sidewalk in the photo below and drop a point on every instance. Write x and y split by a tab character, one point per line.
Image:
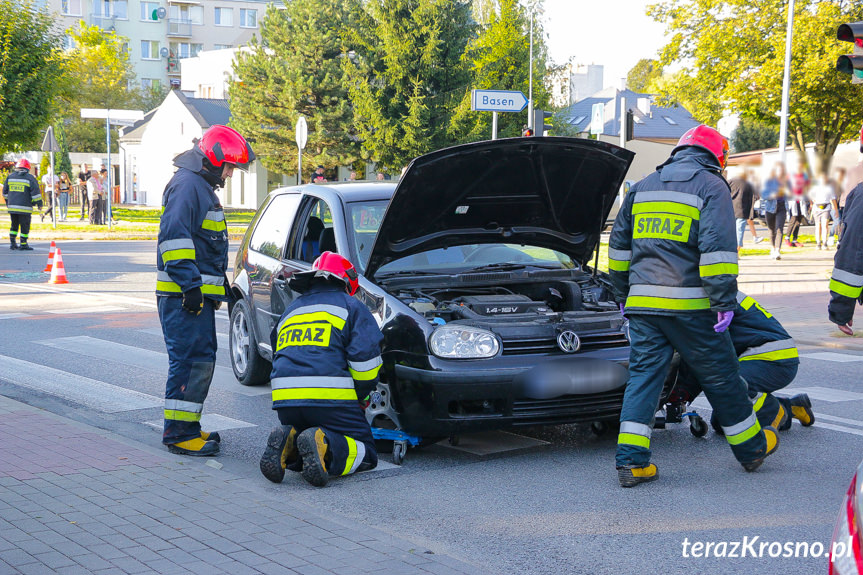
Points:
75	499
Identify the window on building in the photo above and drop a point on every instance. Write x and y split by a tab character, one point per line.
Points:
637	119
578	120
70	7
111	9
248	18
222	46
185	49
669	120
224	16
185	13
151	84
149	49
149	11
68	43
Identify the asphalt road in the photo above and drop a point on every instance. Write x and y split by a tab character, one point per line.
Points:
92	351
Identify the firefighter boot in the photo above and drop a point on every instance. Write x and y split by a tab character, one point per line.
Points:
196	447
782	421
211	436
632	476
801	409
772	438
312	444
281	451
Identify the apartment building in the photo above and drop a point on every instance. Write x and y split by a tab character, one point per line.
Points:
161	33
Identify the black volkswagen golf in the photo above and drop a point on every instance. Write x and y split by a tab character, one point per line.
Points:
477	267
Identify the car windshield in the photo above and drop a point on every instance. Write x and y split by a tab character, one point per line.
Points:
366	218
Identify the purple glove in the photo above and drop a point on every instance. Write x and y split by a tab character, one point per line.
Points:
723	319
622	308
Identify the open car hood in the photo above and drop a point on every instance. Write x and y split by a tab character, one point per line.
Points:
549	192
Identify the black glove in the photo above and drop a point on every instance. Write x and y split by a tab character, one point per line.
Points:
193	300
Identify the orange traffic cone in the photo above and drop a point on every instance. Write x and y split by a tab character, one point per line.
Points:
50	257
58	272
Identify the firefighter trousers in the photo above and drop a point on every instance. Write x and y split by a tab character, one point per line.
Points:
19	222
654	338
351	446
191	343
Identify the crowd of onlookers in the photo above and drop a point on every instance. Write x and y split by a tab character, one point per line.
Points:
786	202
91	186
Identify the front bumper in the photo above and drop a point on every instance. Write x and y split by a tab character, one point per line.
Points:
460	397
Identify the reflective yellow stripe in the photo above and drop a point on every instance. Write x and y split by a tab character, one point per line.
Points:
667	303
208	289
762	397
632	439
336	321
175	415
618	265
845	289
744	435
717	269
314	393
666	208
352	455
168	286
214	226
773	355
172	255
365	375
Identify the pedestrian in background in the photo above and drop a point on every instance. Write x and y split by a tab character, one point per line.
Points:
823	203
192	259
753	181
773	196
838	182
103	199
94	191
318	175
797	205
672	259
21	192
742	196
83	176
51	185
63	199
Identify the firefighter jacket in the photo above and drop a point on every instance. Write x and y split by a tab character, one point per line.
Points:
846	284
326	350
758	336
193	238
673	247
21	191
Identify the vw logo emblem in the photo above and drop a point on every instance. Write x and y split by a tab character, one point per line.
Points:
568	341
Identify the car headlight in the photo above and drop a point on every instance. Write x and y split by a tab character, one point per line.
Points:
462	342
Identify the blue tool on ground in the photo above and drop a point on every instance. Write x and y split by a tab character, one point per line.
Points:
400	439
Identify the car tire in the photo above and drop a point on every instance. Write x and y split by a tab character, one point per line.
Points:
248	365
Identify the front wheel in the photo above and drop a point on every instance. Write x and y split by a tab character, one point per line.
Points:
249	367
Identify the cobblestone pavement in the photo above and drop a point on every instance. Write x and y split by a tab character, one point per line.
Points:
75	499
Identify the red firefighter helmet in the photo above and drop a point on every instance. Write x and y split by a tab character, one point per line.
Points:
222	144
23	163
333	265
707	138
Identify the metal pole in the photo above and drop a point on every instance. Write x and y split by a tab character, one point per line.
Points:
299	166
530	80
108	141
494	125
786	83
53	194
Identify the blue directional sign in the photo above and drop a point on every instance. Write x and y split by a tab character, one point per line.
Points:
497	101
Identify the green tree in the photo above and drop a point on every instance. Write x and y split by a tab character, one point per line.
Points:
295	71
733	54
99	77
498	60
642	77
63	163
408	76
31	65
754	135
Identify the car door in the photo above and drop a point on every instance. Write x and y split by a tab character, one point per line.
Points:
266	251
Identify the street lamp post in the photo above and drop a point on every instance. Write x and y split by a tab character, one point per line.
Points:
530	78
786	84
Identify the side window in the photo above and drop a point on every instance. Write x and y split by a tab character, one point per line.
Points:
271	232
315	233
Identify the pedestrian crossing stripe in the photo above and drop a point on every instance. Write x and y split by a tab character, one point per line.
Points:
832	356
211	422
12	315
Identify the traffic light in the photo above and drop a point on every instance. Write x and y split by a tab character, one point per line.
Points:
526	132
539	119
852	63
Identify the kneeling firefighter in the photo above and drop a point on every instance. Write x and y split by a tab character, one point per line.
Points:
673	259
768	362
326	360
192	257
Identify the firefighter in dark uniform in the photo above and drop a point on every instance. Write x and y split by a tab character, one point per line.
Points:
327	349
21	192
673	259
192	257
846	283
768	362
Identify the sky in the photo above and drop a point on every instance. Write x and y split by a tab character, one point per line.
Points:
614	33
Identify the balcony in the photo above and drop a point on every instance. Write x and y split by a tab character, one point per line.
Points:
173	66
179	28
